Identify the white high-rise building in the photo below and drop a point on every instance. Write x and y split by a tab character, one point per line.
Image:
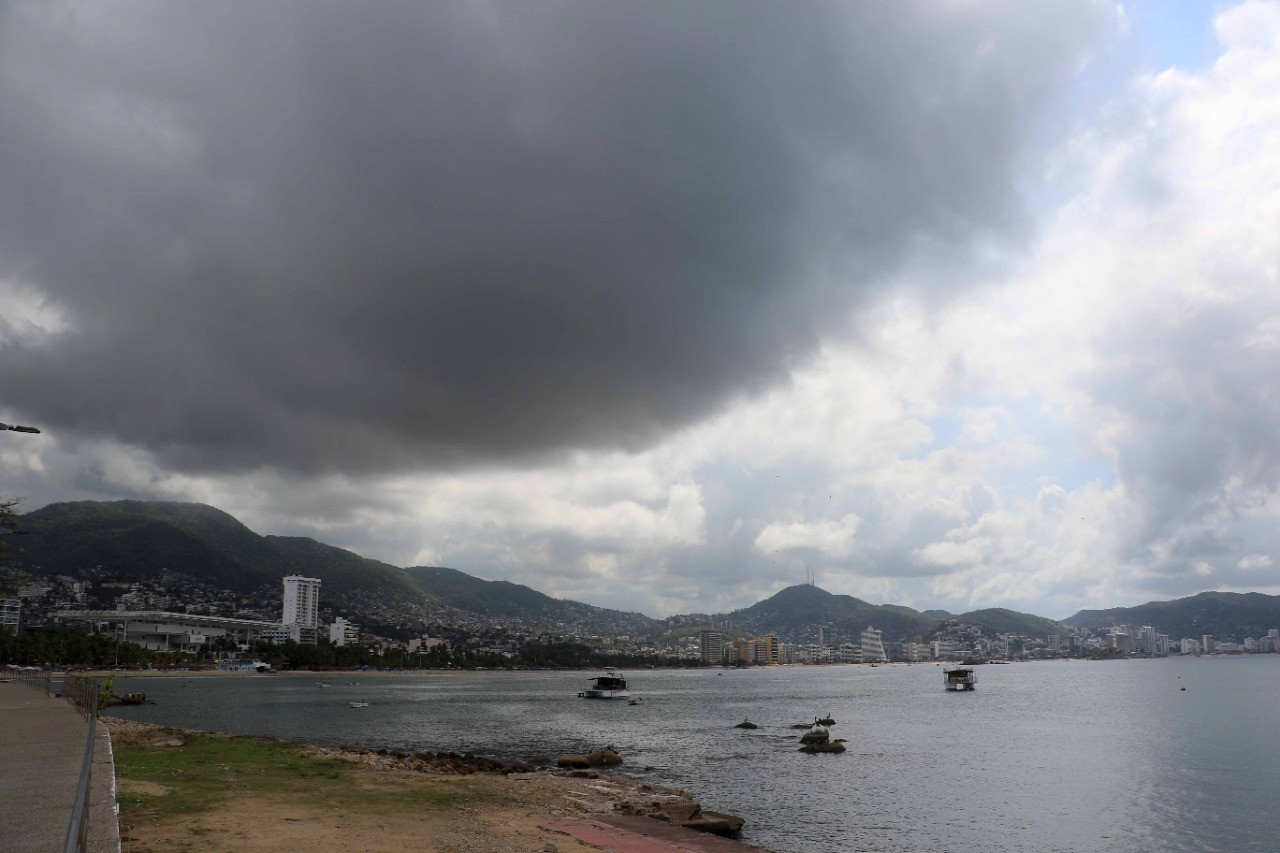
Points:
301	602
711	646
872	646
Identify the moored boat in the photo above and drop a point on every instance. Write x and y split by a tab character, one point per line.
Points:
608	686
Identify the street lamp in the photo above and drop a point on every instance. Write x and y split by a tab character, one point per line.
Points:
16	428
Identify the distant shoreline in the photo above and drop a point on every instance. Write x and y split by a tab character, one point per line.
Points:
203	673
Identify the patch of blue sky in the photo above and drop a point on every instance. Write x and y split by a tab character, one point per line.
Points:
946	432
1155	35
1062	460
1174	33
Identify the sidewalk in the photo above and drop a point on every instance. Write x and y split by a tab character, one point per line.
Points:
633	834
42	742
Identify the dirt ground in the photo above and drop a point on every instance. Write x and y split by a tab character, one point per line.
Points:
191	791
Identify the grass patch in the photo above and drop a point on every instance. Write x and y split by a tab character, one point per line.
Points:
188	773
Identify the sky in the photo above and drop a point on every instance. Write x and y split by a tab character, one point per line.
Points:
662	306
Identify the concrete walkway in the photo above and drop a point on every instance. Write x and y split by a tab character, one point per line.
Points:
42	742
634	834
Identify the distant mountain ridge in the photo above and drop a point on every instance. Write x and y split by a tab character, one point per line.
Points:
136	540
1222	614
795	613
504	598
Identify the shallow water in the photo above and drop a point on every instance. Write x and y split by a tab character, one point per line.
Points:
1107	756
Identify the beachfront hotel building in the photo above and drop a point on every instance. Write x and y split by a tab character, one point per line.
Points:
301	602
711	646
344	633
766	649
872	646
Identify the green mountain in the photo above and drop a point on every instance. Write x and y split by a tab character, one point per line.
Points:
137	540
1003	621
1223	614
503	598
78	538
795	613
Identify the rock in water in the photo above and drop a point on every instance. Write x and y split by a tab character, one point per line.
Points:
746	724
715	822
573	762
838	746
815	735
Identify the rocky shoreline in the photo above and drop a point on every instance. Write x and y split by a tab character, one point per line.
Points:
481	804
617	794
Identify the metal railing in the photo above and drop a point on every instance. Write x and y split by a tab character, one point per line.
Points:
42	681
85	694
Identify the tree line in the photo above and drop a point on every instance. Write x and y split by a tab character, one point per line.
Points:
66	646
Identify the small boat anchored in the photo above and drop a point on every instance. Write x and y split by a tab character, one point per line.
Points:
959	677
608	686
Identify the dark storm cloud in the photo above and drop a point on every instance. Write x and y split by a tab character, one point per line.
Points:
362	236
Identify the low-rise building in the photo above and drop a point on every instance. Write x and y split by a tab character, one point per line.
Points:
344	633
158	631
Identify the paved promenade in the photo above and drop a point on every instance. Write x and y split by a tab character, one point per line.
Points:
42	742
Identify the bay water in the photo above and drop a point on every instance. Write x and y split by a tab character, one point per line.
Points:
1053	756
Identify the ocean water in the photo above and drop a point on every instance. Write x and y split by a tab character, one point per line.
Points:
1055	756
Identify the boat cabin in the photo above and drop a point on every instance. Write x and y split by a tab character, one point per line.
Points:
959	678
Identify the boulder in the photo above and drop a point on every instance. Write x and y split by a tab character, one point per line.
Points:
715	822
746	724
573	762
837	746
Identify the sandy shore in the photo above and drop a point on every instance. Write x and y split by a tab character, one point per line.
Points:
186	790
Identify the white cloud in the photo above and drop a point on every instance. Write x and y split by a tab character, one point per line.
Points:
833	538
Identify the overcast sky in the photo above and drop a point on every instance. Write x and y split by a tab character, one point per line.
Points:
662	305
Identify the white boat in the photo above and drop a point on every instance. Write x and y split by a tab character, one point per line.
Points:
959	677
608	686
359	704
